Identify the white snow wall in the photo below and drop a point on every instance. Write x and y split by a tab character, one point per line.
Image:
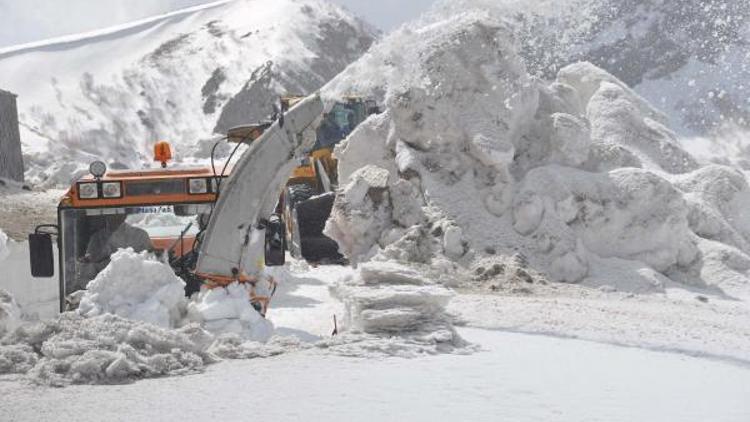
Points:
474	157
11	160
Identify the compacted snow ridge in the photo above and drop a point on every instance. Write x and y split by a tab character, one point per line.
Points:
397	302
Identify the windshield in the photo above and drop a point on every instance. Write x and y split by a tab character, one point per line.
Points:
162	222
339	123
91	236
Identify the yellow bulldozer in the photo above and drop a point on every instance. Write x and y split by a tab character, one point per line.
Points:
310	191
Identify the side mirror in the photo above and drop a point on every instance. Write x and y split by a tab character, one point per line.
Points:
40	254
275	239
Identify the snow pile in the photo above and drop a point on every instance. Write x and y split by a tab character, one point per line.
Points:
474	158
228	310
386	299
10	313
138	287
114	92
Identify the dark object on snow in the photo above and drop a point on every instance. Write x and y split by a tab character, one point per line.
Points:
310	214
40	248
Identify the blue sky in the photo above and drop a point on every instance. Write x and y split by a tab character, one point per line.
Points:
24	21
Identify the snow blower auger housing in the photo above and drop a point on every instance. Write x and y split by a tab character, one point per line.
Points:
213	228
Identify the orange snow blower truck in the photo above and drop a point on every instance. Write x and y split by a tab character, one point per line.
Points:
163	210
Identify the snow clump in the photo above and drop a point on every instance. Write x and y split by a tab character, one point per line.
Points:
229	311
136	286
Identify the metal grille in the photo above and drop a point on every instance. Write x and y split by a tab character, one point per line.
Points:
155	188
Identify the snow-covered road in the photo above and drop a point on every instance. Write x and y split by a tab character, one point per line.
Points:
516	377
513	377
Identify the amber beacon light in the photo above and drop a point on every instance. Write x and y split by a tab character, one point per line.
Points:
162	153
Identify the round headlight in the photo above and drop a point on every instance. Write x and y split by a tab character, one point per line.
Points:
97	169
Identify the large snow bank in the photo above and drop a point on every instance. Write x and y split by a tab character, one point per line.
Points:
472	157
138	287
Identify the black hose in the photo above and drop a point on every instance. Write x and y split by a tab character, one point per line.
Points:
218	178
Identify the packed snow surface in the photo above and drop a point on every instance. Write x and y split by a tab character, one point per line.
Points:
473	158
516	377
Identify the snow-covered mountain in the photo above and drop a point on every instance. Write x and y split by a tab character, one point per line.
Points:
182	77
690	58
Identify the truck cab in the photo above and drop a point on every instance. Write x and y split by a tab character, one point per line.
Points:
164	211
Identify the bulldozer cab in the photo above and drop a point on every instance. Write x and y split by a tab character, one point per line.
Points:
342	119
